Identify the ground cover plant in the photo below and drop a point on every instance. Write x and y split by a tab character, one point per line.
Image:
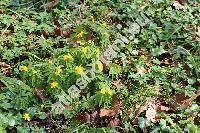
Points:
99	66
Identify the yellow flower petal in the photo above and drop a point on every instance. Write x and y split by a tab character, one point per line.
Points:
79	70
80	34
106	90
104	24
103	91
67	57
100	66
24	68
26	116
109	91
50	61
54	84
84	50
58	70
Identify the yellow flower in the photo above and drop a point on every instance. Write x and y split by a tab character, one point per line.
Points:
100	66
54	84
80	34
89	41
92	18
104	24
79	69
84	50
81	42
103	91
50	61
67	57
24	68
109	91
58	70
106	90
97	52
26	116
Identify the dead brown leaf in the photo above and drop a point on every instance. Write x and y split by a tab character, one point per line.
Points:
40	93
177	4
83	117
141	71
117	83
107	112
5	68
114	122
138	112
78	21
51	4
151	112
188	102
151	108
179	98
57	31
114	110
1	11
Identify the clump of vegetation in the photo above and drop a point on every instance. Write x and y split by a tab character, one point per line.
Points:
99	66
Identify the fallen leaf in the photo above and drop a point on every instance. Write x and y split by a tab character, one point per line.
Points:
179	98
188	102
137	114
5	68
141	71
151	112
151	108
114	122
67	33
57	31
40	93
117	83
177	4
3	64
78	21
83	117
1	11
50	5
107	112
161	106
116	105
